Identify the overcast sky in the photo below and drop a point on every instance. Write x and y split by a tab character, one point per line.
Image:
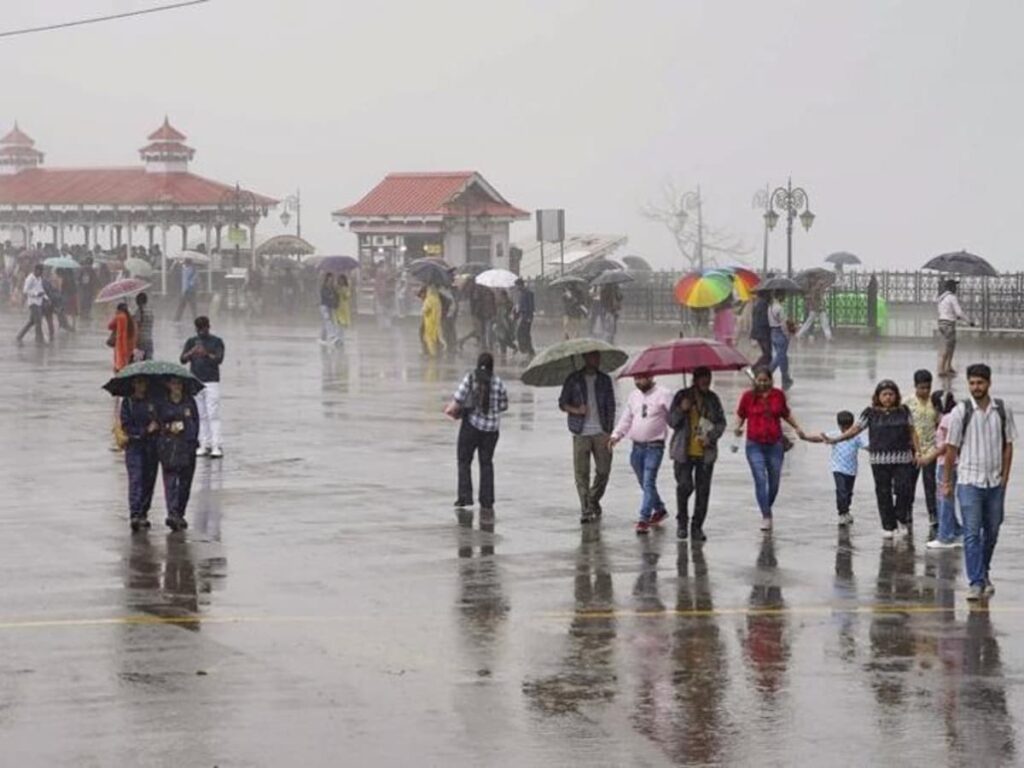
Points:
901	119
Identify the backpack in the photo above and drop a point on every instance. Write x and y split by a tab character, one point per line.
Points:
1000	409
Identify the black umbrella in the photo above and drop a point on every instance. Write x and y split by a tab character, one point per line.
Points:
612	277
962	263
637	263
778	285
431	271
842	259
596	267
568	281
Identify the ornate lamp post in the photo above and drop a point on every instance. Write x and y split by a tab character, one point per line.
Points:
240	207
292	203
691	201
762	198
790	201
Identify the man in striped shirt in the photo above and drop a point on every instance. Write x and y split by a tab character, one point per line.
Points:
981	436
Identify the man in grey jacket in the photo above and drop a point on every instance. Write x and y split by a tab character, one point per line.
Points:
698	421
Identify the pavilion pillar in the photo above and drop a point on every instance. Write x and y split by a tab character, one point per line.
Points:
252	245
184	237
152	232
87	235
130	228
220	228
163	260
209	264
53	234
118	234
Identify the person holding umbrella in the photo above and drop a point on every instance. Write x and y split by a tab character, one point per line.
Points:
204	354
525	306
177	447
950	312
588	399
779	325
140	424
328	307
698	420
645	422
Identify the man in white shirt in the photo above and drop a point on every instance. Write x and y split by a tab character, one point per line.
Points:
778	322
35	295
950	312
980	446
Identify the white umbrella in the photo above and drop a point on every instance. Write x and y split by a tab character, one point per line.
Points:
497	278
194	256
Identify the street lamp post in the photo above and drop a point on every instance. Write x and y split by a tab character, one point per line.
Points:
762	199
689	202
292	203
791	201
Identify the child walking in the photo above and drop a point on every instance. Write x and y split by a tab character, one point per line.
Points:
950	533
843	463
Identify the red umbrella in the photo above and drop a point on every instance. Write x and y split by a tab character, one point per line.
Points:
683	356
121	289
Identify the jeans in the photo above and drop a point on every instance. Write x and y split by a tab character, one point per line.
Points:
927	473
473	440
844	491
982	509
646	461
894	492
583	447
693	475
188	298
765	462
780	354
208	404
949	525
35	319
766	353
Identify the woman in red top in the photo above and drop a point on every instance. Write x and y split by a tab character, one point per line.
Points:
123	328
763	409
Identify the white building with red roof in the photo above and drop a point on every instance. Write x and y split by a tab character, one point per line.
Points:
125	205
457	216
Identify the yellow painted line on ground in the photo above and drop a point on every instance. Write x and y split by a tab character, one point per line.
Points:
811	610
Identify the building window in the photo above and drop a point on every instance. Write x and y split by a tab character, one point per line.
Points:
480	249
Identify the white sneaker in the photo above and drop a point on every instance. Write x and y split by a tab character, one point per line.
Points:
202	451
958	541
887	534
940	544
766	523
902	531
217	453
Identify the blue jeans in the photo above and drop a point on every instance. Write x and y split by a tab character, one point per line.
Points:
766	466
982	509
646	461
780	353
949	526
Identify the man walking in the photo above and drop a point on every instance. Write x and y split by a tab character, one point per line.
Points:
698	421
926	423
980	445
760	330
588	397
950	312
35	294
204	353
524	310
645	422
144	327
189	288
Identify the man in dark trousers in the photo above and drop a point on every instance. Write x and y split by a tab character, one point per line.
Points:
760	329
588	397
698	421
524	309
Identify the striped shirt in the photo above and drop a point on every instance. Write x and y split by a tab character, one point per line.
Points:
981	447
489	420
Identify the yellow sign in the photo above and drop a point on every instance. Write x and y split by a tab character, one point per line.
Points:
237	235
432	249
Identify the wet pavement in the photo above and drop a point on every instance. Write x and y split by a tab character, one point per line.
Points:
327	608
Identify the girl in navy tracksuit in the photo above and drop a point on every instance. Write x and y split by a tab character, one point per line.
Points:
178	441
140	421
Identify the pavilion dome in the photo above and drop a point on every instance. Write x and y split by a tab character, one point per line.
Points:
18	152
166	151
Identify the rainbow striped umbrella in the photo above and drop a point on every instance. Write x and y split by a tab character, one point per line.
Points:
699	291
744	280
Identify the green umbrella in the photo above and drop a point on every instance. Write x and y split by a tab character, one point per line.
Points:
61	262
553	364
121	384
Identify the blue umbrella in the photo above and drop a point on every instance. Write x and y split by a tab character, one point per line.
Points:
337	264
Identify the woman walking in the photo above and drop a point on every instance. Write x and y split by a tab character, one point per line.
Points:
779	325
950	532
328	306
343	314
762	409
479	402
122	336
176	448
895	454
430	327
140	422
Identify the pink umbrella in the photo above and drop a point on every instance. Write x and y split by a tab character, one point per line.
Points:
121	289
683	356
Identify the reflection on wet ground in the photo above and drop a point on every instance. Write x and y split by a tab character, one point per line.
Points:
328	607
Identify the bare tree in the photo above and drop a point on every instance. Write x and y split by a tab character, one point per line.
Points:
699	243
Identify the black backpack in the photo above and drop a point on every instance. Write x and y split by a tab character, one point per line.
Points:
1000	409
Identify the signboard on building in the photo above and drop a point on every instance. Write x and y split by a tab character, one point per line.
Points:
237	235
550	225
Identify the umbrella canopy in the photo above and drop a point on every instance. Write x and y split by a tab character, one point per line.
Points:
138	267
842	259
121	384
744	281
431	271
497	278
684	356
815	278
699	291
568	281
594	267
636	263
612	277
472	268
962	263
553	364
285	245
121	289
779	285
61	262
193	256
337	264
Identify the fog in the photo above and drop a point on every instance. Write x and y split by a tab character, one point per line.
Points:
901	120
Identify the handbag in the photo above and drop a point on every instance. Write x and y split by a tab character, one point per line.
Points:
120	437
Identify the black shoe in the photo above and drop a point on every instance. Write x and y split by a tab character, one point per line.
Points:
697	534
681	533
595	510
587	517
486	513
137	523
176	523
460	504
